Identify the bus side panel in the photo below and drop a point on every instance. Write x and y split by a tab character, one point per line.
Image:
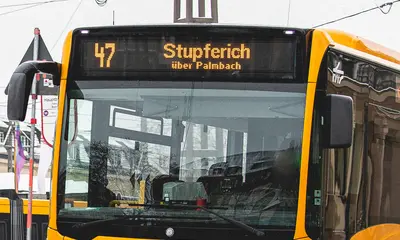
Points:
382	176
314	184
39	226
381	180
40	219
344	169
5	226
362	182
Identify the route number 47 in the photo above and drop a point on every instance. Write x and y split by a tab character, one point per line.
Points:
99	52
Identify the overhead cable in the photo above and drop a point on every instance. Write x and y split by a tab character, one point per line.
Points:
66	25
32	5
380	7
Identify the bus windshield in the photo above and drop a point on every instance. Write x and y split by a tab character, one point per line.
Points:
232	147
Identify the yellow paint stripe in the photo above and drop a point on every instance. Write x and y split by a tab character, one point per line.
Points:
39	207
142	191
320	43
115	238
56	149
4	205
80	204
66	56
300	231
54	235
54	179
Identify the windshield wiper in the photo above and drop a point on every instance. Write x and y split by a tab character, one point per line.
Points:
230	220
81	227
235	222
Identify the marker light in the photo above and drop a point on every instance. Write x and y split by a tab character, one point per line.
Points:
289	32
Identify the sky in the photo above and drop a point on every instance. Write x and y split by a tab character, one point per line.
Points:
56	19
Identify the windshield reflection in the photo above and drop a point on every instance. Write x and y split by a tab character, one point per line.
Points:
234	151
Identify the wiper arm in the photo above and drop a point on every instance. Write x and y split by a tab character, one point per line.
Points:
235	222
230	220
81	228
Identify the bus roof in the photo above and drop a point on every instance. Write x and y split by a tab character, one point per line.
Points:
363	45
336	36
195	25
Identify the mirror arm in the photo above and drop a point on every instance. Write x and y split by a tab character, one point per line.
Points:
20	86
30	68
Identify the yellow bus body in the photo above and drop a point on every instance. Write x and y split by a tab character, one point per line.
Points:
321	40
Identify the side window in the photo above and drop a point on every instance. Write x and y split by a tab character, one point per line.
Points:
314	184
78	139
343	170
360	183
382	177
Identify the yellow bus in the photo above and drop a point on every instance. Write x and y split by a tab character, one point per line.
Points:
11	214
40	215
221	132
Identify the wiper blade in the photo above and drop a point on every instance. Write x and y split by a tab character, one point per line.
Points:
80	228
230	220
235	222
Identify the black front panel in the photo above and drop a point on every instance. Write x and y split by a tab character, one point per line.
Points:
128	55
39	226
181	52
180	230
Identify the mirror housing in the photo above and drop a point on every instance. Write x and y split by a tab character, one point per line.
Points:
338	121
19	87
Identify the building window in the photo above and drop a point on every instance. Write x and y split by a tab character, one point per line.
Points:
25	141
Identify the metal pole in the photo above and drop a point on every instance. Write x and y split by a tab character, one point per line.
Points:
113	17
288	14
12	145
16	125
33	124
8	144
9	159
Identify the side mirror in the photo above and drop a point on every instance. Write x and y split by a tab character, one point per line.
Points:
19	87
338	121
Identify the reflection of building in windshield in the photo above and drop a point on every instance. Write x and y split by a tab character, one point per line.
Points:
122	162
180	145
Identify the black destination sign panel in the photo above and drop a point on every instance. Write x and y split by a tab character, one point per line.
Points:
125	56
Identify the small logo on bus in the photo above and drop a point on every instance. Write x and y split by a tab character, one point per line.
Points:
169	232
337	74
